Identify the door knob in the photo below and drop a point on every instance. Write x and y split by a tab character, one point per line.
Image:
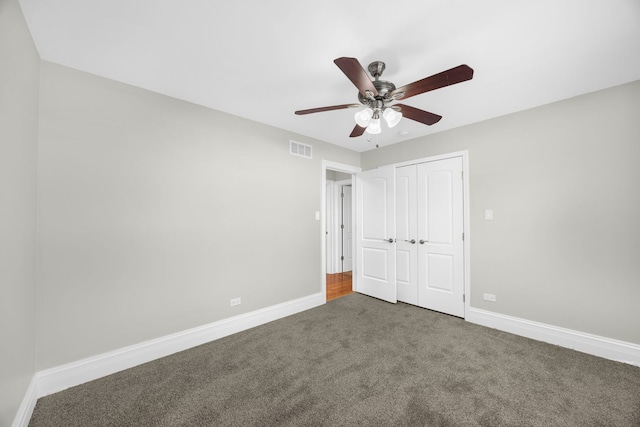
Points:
412	241
388	240
422	242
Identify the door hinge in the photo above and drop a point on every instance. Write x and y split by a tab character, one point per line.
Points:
463	298
462	175
463	237
342	195
342	258
342	226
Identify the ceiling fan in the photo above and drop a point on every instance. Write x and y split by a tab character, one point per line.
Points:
377	95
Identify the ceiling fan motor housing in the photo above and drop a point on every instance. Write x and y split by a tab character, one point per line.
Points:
383	87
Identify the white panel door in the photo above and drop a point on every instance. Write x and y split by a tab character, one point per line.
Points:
406	235
440	239
375	233
347	232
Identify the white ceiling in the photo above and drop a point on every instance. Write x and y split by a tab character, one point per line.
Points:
265	59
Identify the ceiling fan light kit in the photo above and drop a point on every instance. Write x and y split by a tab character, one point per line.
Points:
392	117
363	117
370	118
377	95
374	126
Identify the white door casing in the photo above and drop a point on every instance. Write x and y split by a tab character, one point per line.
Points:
328	165
375	233
440	236
329	228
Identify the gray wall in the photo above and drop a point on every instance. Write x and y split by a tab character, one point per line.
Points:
19	75
154	213
562	180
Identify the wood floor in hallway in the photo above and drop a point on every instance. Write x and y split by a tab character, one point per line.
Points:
338	285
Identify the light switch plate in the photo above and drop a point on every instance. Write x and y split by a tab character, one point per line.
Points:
488	214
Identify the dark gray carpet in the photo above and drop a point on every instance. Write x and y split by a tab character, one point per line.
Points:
359	361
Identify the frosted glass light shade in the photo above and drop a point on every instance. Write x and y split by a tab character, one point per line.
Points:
374	127
362	117
392	117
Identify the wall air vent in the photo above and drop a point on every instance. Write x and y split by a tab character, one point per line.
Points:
299	149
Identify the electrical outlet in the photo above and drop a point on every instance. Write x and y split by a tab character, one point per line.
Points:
235	301
490	297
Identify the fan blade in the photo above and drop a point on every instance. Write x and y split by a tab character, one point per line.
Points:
418	115
455	75
358	76
357	131
321	109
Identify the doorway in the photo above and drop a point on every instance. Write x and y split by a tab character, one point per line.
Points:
337	225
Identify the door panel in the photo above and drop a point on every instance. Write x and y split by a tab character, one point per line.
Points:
375	263
403	268
438	219
440	272
406	231
375	225
374	194
440	227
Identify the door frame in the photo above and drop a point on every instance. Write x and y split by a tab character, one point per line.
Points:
329	224
466	229
338	167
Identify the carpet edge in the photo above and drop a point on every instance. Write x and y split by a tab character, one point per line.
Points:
608	348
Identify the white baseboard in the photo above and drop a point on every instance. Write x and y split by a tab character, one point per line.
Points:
25	410
608	348
59	378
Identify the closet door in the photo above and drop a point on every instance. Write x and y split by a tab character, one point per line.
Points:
375	233
440	240
406	235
